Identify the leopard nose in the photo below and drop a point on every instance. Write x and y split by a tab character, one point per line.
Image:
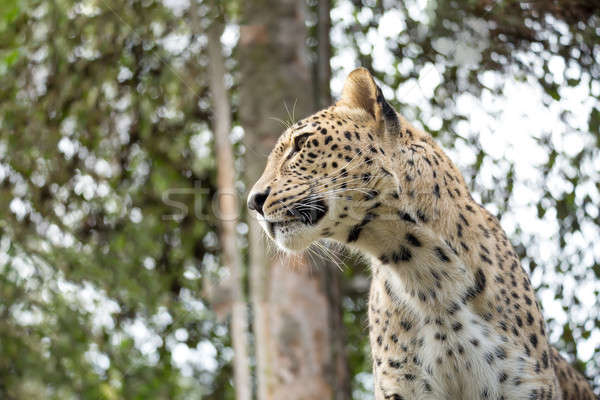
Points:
256	201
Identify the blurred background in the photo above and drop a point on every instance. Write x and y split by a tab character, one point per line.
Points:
131	131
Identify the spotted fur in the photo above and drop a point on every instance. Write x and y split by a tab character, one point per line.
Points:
452	314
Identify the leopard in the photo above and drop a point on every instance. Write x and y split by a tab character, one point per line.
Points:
452	314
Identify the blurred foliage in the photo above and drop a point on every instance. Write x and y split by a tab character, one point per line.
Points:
106	178
107	231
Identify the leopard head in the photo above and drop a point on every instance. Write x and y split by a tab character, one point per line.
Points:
329	171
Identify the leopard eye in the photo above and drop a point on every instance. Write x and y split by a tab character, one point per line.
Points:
299	141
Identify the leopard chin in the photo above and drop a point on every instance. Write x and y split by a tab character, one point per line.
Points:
291	236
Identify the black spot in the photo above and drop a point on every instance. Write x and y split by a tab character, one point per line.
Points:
451	247
502	377
454	307
406	217
412	239
406	325
533	340
479	281
533	395
402	254
354	233
421	216
545	359
371	194
436	190
374	206
441	255
517	381
485	258
356	229
500	352
529	318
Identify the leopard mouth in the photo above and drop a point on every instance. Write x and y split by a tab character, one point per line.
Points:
271	225
294	230
309	211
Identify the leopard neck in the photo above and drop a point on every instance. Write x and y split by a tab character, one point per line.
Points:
417	261
432	244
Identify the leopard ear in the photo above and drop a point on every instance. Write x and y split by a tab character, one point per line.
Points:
388	114
360	91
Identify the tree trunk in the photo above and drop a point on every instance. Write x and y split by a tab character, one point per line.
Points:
295	303
228	207
331	275
323	53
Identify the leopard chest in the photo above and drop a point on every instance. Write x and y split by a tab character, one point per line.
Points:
426	356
